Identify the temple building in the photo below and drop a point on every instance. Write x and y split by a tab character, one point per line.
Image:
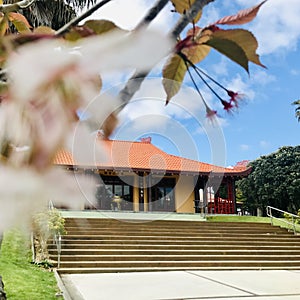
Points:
140	177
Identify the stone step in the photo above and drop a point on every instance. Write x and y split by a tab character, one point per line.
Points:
173	228
63	271
198	252
164	223
174	258
187	264
176	232
174	243
107	245
180	239
168	248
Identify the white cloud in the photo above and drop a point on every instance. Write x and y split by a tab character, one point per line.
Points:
221	68
244	147
262	77
264	144
295	72
127	14
277	25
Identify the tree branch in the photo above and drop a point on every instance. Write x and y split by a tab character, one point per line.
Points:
75	21
135	82
189	16
152	13
6	8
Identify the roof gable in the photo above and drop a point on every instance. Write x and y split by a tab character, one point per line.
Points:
144	156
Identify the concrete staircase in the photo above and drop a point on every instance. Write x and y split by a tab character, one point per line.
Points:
108	245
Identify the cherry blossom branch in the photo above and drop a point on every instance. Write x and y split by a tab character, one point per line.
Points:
80	18
136	80
152	13
189	16
6	8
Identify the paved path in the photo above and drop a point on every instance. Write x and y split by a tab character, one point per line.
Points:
185	285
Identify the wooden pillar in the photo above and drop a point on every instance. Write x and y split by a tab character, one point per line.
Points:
141	191
149	191
199	204
231	195
135	193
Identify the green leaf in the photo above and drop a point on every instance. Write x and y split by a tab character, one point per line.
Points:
3	25
199	50
44	30
181	6
230	49
173	75
91	27
100	26
19	21
243	38
196	53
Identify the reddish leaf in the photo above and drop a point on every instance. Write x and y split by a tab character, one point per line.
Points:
243	38
173	74
242	17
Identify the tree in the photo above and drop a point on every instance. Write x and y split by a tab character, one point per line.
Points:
48	75
274	180
297	109
52	13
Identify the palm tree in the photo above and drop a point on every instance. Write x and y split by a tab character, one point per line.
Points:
297	109
53	13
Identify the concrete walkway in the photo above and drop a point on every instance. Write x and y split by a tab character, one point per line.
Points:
129	215
184	285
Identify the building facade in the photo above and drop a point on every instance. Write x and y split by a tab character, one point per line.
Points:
138	176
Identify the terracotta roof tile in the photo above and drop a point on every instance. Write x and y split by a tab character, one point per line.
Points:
64	157
124	155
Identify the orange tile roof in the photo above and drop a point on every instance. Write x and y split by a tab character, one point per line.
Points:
64	157
144	156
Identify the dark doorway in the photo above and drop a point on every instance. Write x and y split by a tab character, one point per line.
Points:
111	187
163	196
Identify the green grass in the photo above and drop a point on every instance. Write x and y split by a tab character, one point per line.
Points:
226	218
276	222
22	279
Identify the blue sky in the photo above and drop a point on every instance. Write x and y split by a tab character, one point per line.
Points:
265	121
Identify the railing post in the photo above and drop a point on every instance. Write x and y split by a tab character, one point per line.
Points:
294	225
291	223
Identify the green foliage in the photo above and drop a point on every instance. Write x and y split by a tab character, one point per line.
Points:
292	219
243	219
239	45
22	279
297	109
275	181
45	225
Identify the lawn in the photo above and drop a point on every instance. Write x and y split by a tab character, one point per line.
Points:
226	218
22	279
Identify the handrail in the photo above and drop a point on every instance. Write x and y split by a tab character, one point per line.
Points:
56	238
291	223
